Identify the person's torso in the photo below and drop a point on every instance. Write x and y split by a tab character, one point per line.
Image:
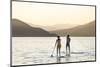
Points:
68	40
59	42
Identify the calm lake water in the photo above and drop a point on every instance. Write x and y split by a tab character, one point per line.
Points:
37	50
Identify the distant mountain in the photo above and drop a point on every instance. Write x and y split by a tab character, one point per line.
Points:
21	29
81	30
59	26
55	27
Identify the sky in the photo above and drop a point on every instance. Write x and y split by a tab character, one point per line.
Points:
51	14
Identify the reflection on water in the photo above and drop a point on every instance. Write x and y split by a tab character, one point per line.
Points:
38	50
58	60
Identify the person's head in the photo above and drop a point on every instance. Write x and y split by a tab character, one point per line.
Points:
58	37
68	35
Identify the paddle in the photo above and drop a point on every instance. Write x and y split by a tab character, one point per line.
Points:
53	50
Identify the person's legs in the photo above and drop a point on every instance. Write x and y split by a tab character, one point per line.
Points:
66	50
69	49
57	51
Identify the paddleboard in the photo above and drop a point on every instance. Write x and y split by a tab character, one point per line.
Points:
60	56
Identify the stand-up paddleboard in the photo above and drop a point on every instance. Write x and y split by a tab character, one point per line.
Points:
60	56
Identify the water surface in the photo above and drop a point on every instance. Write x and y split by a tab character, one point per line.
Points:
37	50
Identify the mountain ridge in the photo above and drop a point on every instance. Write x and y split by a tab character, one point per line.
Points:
21	29
55	27
82	30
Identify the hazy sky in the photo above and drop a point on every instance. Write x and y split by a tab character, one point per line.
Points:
51	14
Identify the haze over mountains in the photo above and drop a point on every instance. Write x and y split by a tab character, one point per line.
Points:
21	29
81	30
55	27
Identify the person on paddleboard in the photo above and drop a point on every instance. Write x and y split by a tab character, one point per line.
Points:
68	44
58	44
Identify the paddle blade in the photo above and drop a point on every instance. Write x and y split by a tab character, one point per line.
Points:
51	55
